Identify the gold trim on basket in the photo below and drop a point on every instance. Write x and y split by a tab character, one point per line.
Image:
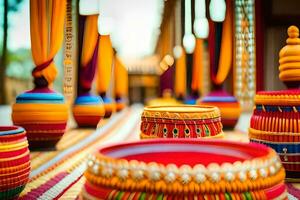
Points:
154	177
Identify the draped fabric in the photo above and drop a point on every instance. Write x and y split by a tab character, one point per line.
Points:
180	76
259	38
121	78
167	80
105	59
88	49
221	47
197	66
46	30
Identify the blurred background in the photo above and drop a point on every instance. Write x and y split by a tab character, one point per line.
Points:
142	44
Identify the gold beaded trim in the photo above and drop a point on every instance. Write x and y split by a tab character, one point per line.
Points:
284	100
181	112
258	173
145	136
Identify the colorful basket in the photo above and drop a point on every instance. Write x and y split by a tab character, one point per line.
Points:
44	114
184	169
228	105
14	161
181	121
276	119
88	110
276	123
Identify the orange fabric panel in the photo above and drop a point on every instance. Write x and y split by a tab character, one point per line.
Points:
225	61
105	59
121	78
180	76
90	38
197	66
43	47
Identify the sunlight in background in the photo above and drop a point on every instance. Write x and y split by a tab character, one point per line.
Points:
19	27
135	25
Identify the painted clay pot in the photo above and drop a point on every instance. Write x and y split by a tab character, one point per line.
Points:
228	105
44	114
88	110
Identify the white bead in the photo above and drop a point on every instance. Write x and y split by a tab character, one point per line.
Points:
229	176
199	169
154	175
153	172
95	169
123	174
253	174
215	177
237	166
170	177
107	172
90	163
138	174
263	173
272	170
242	176
200	178
185	178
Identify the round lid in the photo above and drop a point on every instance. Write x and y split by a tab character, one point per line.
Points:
181	111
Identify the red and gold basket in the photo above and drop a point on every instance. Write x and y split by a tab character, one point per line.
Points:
181	121
276	123
14	161
276	119
184	169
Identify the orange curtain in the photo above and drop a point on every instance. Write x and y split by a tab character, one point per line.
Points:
89	39
121	78
46	30
180	76
105	59
197	66
225	61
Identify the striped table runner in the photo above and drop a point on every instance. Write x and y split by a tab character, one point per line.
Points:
58	174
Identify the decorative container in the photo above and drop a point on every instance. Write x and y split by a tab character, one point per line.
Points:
44	114
181	121
276	123
228	105
276	119
184	169
88	110
14	161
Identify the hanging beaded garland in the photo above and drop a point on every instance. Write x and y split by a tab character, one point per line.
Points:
68	84
244	73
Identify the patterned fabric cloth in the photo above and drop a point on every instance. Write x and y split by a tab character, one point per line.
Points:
58	174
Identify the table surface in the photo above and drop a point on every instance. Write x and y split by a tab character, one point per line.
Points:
58	173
